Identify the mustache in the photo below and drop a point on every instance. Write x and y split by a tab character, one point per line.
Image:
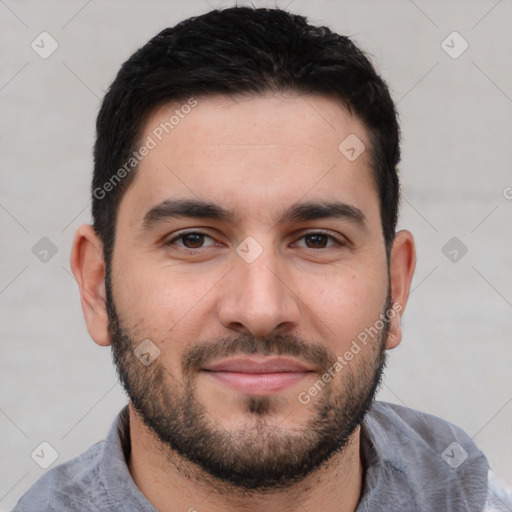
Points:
202	353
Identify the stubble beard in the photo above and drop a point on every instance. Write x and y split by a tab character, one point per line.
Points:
260	455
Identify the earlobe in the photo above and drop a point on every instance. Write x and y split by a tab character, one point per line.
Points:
88	267
395	327
401	267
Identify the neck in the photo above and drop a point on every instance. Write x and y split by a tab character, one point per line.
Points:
169	482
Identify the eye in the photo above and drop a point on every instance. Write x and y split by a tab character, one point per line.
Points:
319	240
191	240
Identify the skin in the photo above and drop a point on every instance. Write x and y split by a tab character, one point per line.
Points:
255	156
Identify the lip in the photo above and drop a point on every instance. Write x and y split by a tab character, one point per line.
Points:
258	365
257	376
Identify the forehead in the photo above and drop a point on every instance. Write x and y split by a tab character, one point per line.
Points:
253	154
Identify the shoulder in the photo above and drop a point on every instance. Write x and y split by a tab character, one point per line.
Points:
402	431
98	479
423	460
430	431
499	498
62	486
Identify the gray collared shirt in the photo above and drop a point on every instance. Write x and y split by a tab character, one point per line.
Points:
413	462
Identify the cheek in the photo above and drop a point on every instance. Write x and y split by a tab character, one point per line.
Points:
342	307
163	304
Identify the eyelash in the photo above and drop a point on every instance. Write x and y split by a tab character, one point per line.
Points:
182	235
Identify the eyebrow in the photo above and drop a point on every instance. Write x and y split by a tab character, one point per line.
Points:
298	212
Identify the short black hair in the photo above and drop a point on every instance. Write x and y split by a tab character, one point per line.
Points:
234	51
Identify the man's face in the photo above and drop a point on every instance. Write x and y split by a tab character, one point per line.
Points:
251	308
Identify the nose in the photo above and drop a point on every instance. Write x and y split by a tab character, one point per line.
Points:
258	298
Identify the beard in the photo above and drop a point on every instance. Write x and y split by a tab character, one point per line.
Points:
261	454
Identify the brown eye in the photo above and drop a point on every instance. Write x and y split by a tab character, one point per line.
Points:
191	240
316	241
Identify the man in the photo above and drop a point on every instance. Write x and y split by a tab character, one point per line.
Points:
244	266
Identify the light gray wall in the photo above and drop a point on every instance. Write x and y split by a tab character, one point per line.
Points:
456	114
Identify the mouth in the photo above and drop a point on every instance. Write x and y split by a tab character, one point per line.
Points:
257	376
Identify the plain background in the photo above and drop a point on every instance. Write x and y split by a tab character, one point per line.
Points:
456	116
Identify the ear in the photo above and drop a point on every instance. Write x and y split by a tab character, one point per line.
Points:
88	267
401	268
